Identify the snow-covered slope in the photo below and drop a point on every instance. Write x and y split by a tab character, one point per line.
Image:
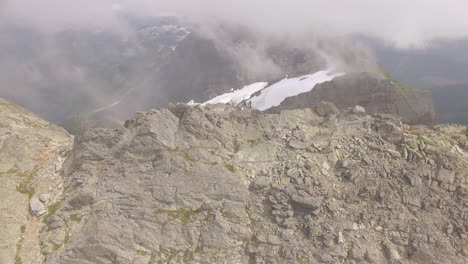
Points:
274	94
238	95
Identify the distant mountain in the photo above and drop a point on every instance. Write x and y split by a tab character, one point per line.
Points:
76	71
441	67
156	61
453	100
375	93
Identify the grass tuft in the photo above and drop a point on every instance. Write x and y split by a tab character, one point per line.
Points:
26	188
51	210
184	215
75	218
230	167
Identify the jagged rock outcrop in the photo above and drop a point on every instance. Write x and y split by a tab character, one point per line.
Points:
213	184
374	93
31	154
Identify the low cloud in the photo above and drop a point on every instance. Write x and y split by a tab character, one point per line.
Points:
403	23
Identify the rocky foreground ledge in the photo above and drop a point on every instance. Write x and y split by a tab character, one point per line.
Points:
31	155
213	184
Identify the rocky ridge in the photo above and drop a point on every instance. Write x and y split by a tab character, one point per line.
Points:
378	94
194	184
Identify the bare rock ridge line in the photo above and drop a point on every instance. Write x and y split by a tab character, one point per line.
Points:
214	184
375	94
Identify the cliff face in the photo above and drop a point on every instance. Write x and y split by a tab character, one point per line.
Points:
217	185
213	184
375	94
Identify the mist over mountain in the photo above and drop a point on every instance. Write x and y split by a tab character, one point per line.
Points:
112	58
157	61
233	132
440	67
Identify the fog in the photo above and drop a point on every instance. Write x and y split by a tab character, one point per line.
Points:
400	22
61	57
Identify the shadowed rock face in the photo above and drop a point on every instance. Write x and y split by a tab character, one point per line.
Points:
375	94
217	185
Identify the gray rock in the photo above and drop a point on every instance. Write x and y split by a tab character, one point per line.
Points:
367	160
373	146
293	173
296	144
395	154
308	203
357	253
343	163
326	109
350	175
160	123
214	197
261	182
414	201
372	254
274	240
36	206
45	197
325	257
446	176
337	252
359	110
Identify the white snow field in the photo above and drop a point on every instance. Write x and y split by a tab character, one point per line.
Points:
238	95
276	93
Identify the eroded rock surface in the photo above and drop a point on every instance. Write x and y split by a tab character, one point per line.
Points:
217	185
31	153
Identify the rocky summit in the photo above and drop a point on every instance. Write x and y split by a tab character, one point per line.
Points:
214	184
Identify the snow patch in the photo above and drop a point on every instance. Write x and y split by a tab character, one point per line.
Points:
273	95
276	93
238	95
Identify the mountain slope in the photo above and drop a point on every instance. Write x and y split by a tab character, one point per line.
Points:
451	102
212	184
374	93
31	154
151	62
378	94
440	67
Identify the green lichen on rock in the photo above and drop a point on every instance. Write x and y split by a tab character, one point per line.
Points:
26	186
141	252
184	215
252	141
230	167
19	245
52	209
403	89
75	217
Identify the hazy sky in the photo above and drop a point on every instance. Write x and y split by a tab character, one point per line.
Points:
402	22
